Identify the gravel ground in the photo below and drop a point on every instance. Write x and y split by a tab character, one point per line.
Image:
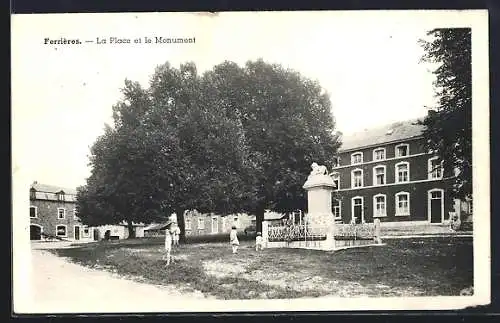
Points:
59	286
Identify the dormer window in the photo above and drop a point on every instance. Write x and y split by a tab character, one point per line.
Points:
32	194
379	154
357	158
60	196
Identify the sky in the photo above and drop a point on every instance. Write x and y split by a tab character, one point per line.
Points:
62	95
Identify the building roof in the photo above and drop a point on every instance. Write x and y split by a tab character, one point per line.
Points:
268	216
53	197
397	131
157	226
49	192
52	189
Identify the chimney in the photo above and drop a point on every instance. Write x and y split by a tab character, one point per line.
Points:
35	182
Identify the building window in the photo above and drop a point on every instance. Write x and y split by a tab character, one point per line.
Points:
61	231
379	154
33	212
75	215
32	194
435	168
61	213
357	211
188	224
214	225
357	158
337	209
469	206
379	209
402	172
86	231
336	162
402	150
403	203
357	178
336	180
201	223
379	175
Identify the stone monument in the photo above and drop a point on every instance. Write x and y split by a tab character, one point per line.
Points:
319	219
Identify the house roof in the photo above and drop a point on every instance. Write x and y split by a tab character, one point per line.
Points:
53	197
273	216
397	131
157	226
52	189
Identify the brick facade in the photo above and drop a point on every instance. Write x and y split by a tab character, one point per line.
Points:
414	195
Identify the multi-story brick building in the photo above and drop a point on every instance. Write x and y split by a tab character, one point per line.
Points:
53	212
387	173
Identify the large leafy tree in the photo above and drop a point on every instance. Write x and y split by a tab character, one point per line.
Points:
287	123
449	125
117	189
235	139
201	151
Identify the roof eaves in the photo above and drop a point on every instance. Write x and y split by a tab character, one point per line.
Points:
380	144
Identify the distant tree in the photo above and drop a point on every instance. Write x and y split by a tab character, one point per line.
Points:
449	127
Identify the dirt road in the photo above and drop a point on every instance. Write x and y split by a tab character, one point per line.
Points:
58	286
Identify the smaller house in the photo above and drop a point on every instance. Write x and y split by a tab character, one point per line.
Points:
117	231
275	218
197	223
156	229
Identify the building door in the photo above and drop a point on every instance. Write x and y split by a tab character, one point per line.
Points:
35	232
77	232
357	209
436	206
96	235
214	225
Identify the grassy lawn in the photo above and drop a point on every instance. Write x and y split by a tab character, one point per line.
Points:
406	267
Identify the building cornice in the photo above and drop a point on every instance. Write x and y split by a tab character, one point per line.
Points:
380	161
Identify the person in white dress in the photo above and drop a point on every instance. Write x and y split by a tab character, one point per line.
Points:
259	243
168	245
176	235
233	239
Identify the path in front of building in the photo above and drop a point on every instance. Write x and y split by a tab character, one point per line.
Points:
59	286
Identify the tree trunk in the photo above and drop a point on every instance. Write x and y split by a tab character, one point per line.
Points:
259	217
131	231
182	225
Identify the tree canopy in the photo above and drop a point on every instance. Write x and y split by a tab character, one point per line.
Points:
233	139
449	127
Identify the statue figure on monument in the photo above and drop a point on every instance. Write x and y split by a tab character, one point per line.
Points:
318	169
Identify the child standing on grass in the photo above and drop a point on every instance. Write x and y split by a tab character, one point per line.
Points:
177	233
233	239
258	242
168	244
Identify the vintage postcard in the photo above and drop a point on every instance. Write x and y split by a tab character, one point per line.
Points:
250	161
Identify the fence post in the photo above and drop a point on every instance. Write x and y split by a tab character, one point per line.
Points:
265	232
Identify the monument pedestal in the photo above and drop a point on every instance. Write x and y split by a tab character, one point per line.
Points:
319	219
